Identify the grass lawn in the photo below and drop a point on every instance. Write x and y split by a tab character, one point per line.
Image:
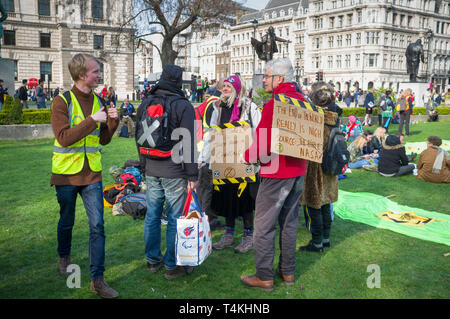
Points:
29	212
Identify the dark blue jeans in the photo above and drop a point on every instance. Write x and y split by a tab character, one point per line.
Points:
92	196
173	192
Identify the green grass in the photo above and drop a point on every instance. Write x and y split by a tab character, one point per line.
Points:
410	268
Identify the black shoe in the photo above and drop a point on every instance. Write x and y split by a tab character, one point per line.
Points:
412	157
327	245
178	272
311	247
152	268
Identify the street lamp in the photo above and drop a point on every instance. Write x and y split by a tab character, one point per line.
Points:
297	72
428	36
255	24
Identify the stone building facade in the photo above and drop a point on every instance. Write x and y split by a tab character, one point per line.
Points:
354	43
41	36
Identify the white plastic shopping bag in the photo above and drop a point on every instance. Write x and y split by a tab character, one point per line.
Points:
193	240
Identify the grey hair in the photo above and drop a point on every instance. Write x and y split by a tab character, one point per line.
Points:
282	67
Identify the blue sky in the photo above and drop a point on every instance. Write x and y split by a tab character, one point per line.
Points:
256	4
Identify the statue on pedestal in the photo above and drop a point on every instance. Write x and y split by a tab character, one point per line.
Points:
268	45
414	54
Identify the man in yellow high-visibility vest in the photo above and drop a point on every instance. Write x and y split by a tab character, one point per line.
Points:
81	123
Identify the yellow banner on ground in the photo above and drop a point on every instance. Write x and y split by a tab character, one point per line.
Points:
406	218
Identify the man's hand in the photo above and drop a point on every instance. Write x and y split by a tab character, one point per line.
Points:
112	113
100	116
192	184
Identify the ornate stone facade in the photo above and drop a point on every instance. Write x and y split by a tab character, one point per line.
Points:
355	43
42	37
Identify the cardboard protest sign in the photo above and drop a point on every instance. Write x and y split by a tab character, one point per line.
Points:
297	129
228	144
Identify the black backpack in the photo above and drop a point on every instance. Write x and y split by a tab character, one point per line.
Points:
153	131
336	156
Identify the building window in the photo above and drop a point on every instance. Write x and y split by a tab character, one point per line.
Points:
339	41
347	60
8	5
339	61
330	41
340	21
331	22
359	16
9	37
372	60
45	40
349	19
44	7
101	72
358	38
357	59
330	62
46	68
16	71
97	9
348	39
98	42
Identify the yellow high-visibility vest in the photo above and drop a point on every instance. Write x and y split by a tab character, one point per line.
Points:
70	160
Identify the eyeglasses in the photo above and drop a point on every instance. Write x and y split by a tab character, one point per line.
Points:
271	76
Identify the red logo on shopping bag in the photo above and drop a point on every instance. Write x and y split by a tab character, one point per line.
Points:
188	230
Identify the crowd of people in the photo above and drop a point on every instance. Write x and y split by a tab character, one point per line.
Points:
274	199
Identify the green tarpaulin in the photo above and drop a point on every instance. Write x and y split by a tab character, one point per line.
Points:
364	207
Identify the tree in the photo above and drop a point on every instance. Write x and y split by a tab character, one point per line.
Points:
174	16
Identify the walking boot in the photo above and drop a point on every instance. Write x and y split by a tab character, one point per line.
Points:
101	288
63	263
226	241
245	245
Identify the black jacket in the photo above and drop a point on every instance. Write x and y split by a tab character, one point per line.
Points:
23	93
392	156
181	116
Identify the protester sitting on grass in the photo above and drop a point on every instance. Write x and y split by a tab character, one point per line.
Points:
434	163
377	139
357	157
353	129
322	188
393	160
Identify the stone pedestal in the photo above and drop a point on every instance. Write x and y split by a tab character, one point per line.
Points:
7	74
419	89
257	82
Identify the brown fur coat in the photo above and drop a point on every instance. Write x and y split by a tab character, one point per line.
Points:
320	188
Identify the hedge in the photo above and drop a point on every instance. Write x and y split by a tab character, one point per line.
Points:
42	116
361	111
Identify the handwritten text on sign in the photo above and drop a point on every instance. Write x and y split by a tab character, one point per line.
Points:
297	132
227	149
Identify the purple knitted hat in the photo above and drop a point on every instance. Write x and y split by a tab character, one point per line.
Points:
236	83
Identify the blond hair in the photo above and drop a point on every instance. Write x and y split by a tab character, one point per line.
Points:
360	141
379	131
230	100
78	65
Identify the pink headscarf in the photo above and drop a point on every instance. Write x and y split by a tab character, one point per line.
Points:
352	118
236	83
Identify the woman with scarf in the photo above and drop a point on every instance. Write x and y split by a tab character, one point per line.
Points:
322	189
230	201
353	129
434	163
